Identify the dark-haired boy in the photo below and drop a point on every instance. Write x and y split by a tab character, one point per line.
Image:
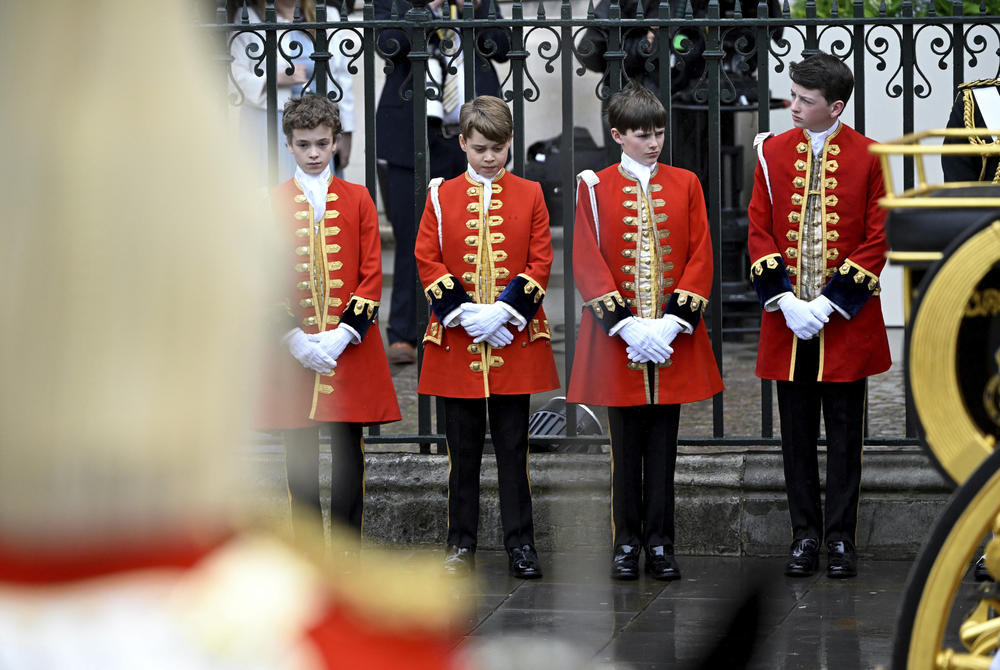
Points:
817	245
643	258
484	252
333	368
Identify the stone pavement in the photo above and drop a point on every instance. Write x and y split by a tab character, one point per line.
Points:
813	623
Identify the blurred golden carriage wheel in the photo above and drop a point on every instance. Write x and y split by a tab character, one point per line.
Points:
954	373
955	426
936	575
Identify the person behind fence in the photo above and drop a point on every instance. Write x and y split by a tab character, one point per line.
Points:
394	139
817	244
977	105
643	258
484	253
295	50
331	367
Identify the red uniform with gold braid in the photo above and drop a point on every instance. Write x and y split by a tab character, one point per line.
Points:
645	254
335	277
604	260
505	254
854	246
816	230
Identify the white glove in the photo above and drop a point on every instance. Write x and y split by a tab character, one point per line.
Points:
821	307
668	328
480	321
333	342
645	344
799	317
500	337
307	352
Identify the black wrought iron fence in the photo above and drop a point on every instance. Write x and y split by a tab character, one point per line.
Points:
708	61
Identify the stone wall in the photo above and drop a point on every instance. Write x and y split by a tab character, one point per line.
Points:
729	502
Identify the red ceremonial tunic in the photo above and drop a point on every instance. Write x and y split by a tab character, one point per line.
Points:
606	268
854	248
505	255
335	275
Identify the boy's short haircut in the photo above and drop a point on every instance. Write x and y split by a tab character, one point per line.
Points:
636	108
825	73
489	115
308	112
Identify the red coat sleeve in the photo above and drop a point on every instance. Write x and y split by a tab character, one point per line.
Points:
591	272
767	267
525	291
694	286
362	309
442	288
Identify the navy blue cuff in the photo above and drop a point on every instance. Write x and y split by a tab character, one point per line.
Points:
359	314
770	278
445	295
686	306
609	309
851	288
524	294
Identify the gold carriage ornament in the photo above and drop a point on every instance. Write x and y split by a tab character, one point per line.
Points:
946	237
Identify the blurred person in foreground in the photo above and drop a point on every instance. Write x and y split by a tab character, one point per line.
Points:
132	301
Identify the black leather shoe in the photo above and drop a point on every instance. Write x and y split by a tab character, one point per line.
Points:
803	558
980	573
661	564
625	564
459	561
523	562
841	561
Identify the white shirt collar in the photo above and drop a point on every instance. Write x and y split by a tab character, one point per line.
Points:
638	170
315	188
487	187
819	139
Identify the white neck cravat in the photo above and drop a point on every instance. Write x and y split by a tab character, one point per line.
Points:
487	189
819	139
638	170
315	188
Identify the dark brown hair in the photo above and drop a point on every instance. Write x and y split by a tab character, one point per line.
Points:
308	112
825	73
636	108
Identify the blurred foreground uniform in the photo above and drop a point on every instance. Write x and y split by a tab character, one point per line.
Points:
334	263
125	536
816	229
977	105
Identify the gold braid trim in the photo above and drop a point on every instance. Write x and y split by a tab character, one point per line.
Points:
447	281
771	260
979	82
363	304
695	302
531	286
861	275
969	119
606	301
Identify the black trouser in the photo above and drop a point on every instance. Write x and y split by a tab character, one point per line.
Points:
347	480
643	456
465	428
843	406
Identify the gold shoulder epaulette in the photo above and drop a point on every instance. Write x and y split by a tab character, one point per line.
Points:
979	82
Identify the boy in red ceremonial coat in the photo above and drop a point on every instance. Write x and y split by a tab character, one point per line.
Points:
643	258
817	245
331	299
483	253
